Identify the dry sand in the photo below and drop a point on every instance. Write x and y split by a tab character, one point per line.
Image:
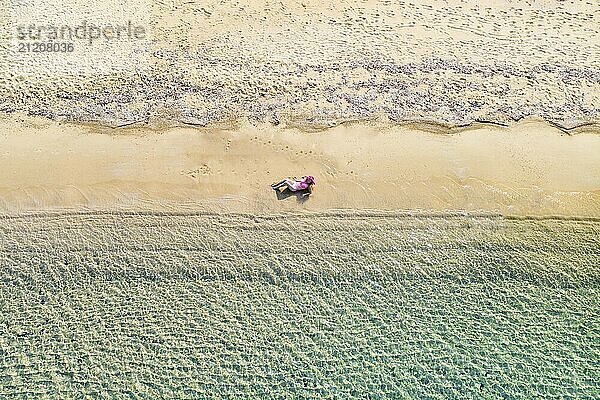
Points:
312	61
529	168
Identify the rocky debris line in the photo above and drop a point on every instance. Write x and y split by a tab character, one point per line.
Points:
434	89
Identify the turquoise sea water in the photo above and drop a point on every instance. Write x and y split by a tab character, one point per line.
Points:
306	306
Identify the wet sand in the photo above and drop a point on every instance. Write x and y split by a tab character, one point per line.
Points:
528	169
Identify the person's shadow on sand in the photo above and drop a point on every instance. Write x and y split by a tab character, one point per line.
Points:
301	195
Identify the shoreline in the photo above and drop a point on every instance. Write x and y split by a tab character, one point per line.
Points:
528	169
306	124
339	213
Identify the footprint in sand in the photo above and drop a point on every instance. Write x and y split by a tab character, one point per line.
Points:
197	172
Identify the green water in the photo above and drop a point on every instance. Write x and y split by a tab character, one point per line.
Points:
323	306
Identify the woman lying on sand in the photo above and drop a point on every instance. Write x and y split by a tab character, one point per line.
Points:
294	185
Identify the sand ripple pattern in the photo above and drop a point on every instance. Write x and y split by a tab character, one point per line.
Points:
307	306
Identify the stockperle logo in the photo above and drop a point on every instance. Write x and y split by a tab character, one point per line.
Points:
78	37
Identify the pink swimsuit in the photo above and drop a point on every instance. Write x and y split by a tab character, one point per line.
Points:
299	185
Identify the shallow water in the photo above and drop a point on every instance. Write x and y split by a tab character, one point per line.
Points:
311	306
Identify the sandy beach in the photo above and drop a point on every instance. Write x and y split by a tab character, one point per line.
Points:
391	105
527	169
312	63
